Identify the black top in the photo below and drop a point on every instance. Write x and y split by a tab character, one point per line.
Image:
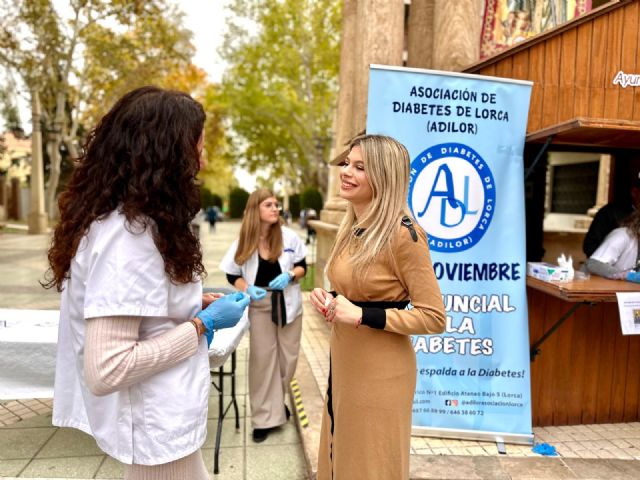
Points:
267	271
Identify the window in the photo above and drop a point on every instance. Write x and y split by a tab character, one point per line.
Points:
574	187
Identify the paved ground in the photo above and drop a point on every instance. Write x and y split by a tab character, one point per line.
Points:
31	448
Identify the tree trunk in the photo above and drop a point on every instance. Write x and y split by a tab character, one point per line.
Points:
54	141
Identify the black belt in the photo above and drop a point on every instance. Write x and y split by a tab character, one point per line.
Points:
278	306
381	304
384	305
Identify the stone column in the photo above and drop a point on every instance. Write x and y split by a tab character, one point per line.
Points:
420	34
37	216
372	32
456	33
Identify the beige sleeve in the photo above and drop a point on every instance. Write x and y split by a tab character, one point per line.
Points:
415	272
115	358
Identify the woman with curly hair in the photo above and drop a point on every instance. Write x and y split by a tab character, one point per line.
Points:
378	265
132	366
267	261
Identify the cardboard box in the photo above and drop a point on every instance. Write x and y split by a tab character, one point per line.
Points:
547	272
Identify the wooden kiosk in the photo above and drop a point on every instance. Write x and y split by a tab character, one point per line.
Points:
583	370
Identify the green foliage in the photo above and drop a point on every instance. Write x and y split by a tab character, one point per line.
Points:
237	202
306	283
311	198
280	87
216	201
217	175
9	111
294	205
209	199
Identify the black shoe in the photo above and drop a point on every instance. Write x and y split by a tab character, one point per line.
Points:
260	434
287	413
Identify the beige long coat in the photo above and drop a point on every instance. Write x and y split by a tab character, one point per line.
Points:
373	372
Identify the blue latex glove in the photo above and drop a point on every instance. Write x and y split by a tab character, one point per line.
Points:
223	313
256	293
280	282
633	276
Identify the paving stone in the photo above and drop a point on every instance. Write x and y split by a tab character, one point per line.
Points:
11	468
604	469
456	468
33	422
110	469
69	442
231	463
68	467
21	443
267	462
213	412
230	437
286	434
535	468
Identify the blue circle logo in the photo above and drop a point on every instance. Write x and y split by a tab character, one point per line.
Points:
452	195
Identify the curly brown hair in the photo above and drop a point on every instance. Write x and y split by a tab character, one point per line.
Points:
141	159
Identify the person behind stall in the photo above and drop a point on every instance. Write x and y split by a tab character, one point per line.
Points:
132	364
609	217
266	261
618	257
378	265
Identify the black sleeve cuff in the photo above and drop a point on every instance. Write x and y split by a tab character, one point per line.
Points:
232	278
374	318
302	263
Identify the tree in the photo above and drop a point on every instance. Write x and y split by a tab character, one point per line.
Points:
217	175
280	87
124	43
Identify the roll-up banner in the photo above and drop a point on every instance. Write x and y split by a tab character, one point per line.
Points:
465	136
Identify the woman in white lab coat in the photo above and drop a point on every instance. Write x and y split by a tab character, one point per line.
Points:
132	367
267	261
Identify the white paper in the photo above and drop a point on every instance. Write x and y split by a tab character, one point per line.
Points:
629	310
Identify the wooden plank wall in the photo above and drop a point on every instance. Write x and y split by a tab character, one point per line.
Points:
586	371
573	71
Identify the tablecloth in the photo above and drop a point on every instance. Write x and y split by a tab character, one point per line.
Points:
28	341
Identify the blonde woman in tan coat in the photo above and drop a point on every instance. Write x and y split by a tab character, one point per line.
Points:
379	263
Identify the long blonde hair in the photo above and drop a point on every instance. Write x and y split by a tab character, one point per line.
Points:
250	230
386	164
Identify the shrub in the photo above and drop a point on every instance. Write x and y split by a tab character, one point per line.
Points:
311	198
294	205
237	202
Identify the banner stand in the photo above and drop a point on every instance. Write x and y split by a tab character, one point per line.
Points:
479	435
465	138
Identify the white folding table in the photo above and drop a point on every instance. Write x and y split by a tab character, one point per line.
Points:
28	342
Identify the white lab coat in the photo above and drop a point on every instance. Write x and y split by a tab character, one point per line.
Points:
293	251
116	272
619	249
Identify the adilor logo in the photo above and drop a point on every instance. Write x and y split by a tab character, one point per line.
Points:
452	195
